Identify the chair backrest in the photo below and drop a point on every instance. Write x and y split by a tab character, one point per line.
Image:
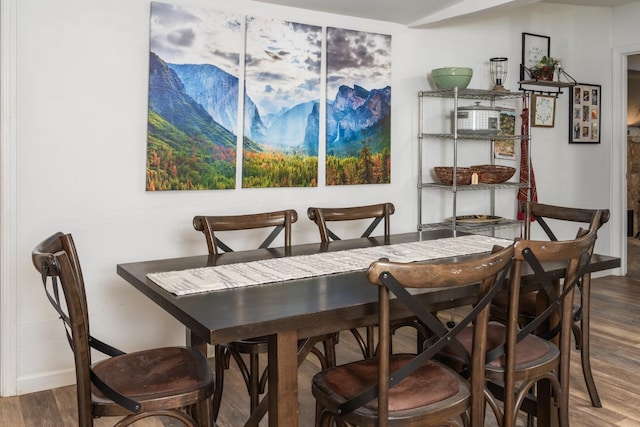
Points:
571	255
56	257
279	220
392	277
379	212
591	218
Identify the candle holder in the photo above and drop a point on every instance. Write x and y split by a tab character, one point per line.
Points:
498	70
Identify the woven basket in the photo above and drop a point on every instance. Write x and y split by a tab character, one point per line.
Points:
493	174
444	174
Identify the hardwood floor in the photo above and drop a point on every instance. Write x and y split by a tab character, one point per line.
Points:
615	358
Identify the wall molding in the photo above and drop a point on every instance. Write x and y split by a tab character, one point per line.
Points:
8	198
53	379
618	155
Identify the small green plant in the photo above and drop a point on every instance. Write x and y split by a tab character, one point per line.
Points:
545	69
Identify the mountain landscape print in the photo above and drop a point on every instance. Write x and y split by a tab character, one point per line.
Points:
202	103
193	99
282	119
358	128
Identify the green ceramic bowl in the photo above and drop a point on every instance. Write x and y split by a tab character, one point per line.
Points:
449	77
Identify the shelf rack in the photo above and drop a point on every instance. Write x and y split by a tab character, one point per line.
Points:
473	94
557	85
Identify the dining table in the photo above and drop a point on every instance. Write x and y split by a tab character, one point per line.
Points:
296	309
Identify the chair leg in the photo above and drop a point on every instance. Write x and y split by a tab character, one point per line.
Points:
585	296
254	382
202	413
221	363
362	342
329	347
371	345
318	419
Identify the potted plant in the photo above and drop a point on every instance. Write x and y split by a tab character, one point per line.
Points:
545	69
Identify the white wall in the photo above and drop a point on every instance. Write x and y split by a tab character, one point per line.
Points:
81	146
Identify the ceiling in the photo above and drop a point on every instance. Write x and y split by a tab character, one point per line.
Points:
424	13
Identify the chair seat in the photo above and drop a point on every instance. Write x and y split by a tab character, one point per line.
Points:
150	376
436	383
530	349
526	305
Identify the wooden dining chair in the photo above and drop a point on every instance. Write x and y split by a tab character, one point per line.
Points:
175	382
415	390
280	221
377	213
547	216
255	379
521	364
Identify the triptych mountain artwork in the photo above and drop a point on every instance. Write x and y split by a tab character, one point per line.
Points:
200	63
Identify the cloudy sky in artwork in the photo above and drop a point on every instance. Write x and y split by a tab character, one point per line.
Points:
357	57
282	63
181	35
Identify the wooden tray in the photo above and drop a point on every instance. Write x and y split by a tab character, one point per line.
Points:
476	219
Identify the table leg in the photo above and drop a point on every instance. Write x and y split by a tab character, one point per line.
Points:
196	342
206	413
543	413
283	379
303	352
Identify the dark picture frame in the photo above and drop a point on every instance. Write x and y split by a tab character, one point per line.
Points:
584	114
534	47
543	111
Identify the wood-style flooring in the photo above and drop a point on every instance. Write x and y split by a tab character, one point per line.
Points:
615	358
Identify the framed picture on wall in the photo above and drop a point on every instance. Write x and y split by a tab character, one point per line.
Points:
584	114
543	111
534	47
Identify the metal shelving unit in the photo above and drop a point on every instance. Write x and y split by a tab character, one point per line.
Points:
455	95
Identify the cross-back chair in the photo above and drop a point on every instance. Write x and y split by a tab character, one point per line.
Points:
255	379
410	389
280	221
521	364
378	213
174	382
547	216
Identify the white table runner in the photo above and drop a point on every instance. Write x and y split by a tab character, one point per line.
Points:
207	279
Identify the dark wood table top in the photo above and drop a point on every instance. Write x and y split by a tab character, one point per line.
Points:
229	315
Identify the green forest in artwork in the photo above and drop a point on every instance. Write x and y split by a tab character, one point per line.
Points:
367	168
276	169
177	161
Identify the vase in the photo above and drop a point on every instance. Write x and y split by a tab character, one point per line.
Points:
543	73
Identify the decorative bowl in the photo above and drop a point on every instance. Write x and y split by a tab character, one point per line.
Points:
450	77
493	174
444	174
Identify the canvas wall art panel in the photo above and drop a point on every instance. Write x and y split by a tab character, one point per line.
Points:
281	105
193	98
358	128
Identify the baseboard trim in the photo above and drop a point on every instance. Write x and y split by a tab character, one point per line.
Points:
34	383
